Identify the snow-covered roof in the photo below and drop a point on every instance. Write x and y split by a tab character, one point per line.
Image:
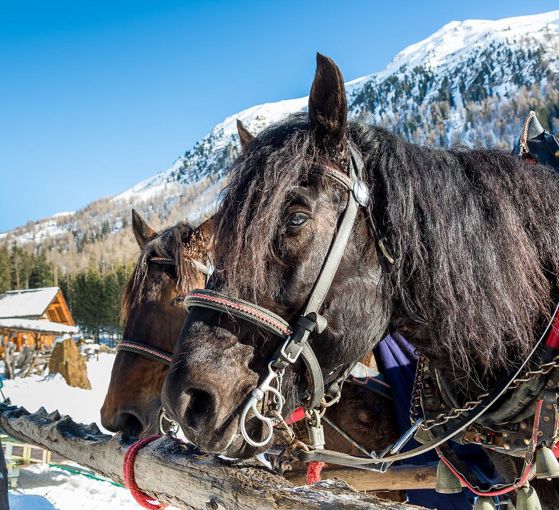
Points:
26	303
38	325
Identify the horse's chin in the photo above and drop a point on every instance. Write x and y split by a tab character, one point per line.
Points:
240	449
230	443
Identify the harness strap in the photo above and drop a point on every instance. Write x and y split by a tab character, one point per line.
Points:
460	424
145	350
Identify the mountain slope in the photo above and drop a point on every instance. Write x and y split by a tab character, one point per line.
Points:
471	82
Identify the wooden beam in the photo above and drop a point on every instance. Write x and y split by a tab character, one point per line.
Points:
66	315
177	474
395	479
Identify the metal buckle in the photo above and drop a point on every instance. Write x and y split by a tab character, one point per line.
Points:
256	396
402	441
360	192
289	356
172	429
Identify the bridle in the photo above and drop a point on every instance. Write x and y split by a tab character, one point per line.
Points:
144	349
266	401
295	336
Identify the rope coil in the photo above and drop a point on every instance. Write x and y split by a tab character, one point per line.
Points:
129	479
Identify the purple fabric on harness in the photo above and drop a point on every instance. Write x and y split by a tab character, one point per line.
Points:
397	362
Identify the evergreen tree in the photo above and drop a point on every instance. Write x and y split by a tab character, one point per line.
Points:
41	273
5	270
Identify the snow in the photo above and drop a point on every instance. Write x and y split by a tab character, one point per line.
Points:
26	303
51	488
41	325
455	36
52	392
44	487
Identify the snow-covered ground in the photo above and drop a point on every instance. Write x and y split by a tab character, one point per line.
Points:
44	487
52	392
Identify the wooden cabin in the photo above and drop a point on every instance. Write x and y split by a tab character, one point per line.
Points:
34	317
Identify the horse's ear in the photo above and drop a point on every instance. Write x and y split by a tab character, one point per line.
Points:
142	231
327	102
245	136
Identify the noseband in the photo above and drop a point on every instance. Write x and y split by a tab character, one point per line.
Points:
144	349
295	336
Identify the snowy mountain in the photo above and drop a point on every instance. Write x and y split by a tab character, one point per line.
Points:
471	82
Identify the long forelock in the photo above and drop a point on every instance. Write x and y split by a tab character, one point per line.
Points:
170	244
250	215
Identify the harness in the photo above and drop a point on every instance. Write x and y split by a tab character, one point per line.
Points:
536	144
266	401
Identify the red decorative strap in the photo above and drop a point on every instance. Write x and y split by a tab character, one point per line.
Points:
139	348
553	337
247	309
128	473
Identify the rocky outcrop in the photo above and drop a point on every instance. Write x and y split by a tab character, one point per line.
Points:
67	360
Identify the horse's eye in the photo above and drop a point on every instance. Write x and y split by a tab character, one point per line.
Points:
297	220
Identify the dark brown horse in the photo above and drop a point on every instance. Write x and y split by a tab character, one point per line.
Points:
132	404
153	315
456	249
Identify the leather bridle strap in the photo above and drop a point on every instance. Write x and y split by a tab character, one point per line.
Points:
147	351
144	349
205	298
309	320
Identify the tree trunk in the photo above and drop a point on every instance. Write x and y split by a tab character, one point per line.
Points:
177	475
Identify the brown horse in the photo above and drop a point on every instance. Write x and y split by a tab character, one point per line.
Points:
456	249
153	315
132	404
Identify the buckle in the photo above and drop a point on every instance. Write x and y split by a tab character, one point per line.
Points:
290	350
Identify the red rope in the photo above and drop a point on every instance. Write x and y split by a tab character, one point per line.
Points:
128	473
295	416
314	469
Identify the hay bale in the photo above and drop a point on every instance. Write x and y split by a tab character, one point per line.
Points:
67	360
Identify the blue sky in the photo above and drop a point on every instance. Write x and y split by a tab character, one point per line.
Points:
97	95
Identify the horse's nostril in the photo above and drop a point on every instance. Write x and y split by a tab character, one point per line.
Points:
199	409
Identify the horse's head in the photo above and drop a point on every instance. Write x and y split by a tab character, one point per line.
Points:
283	208
153	315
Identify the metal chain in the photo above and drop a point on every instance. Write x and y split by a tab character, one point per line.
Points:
454	413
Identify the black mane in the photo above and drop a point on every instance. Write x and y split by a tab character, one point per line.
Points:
475	233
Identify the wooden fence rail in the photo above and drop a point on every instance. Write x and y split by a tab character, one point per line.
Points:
175	474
